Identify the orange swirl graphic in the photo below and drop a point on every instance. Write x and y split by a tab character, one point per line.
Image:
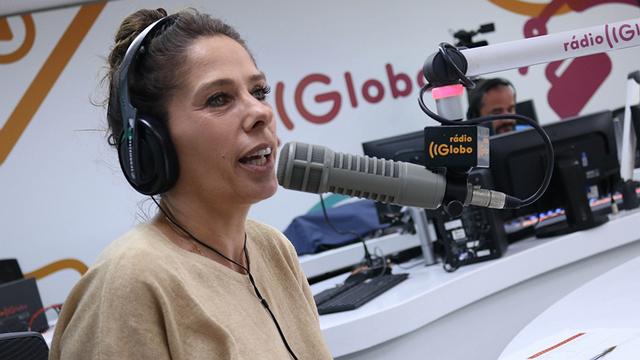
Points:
56	266
27	44
46	77
527	8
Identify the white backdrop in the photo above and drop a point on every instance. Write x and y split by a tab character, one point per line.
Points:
62	194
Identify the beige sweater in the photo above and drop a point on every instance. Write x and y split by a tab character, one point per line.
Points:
147	298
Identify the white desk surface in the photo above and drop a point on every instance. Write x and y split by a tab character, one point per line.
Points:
350	255
431	293
608	301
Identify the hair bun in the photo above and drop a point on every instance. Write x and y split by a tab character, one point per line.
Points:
130	27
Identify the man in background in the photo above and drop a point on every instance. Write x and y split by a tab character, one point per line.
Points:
495	96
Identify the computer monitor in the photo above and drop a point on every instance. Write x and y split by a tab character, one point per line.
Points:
408	147
586	161
528	109
9	270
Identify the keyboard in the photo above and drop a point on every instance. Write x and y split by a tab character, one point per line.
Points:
352	295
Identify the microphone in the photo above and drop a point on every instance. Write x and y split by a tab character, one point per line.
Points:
317	169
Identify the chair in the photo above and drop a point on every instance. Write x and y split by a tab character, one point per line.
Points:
26	345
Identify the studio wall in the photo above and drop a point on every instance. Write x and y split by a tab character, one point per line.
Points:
342	72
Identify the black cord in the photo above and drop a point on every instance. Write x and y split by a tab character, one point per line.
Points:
466	81
384	260
511	202
246	269
186	232
367	254
265	304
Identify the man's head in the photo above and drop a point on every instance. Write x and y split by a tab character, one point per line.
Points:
493	97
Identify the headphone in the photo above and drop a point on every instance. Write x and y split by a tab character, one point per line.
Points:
146	153
477	94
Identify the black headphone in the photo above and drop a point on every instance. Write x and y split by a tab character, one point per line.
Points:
145	150
476	95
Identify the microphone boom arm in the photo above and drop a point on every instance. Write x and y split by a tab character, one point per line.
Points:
538	50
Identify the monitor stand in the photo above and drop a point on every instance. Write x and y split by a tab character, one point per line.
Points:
421	224
577	210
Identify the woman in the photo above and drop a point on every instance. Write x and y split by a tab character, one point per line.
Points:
199	281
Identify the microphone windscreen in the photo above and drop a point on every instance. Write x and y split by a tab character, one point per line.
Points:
300	166
282	159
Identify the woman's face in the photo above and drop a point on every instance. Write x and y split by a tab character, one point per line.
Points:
221	125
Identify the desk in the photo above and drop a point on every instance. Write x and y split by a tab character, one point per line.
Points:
350	255
609	301
474	312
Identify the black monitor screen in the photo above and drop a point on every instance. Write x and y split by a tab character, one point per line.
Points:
9	270
518	160
408	147
528	109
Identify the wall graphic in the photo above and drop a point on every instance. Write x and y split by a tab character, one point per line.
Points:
42	83
46	77
573	81
63	198
343	92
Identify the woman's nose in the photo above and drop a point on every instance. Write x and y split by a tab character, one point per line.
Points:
259	114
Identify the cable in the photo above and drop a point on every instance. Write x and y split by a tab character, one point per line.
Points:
247	270
465	80
367	254
186	232
379	254
511	201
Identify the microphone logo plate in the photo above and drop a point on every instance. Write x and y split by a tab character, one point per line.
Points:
456	147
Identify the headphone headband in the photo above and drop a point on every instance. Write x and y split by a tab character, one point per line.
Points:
127	110
147	155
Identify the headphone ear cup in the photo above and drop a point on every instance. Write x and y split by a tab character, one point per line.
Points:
157	156
157	166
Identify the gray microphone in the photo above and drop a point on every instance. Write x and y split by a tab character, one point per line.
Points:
317	169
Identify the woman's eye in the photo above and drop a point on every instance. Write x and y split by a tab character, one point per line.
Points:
261	92
219	99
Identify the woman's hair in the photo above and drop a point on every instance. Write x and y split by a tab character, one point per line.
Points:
159	72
